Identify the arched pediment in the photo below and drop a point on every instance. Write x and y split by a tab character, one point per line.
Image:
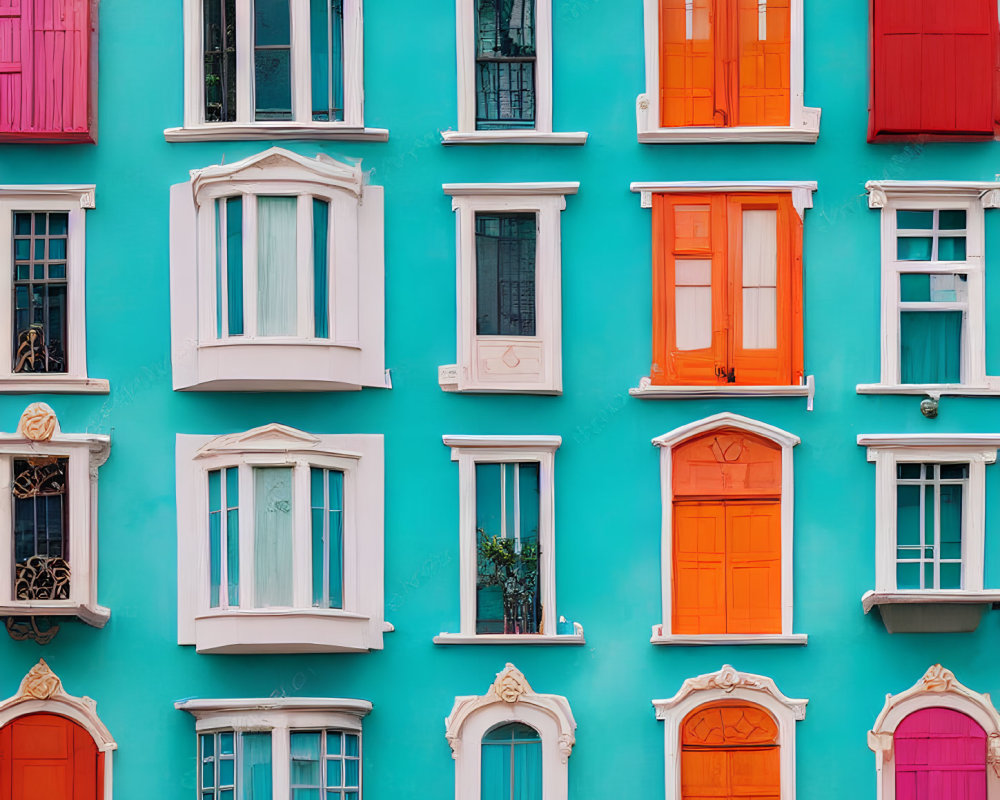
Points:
728	682
727	420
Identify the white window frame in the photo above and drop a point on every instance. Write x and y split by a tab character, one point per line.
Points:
302	126
85	452
473	373
511	699
73	200
973	198
725	685
469	451
353	355
804	120
886	451
41	692
662	632
360	624
279	716
938	688
542	133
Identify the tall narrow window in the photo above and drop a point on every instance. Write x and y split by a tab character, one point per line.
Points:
40	287
326	31
929	512
272	59
327	537
273	537
325	761
220	60
224	534
234	765
505	64
512	763
505	274
276	266
41	552
507	520
321	268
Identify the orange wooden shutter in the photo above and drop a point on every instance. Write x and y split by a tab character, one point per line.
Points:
689	256
687	64
699	569
47	757
764	62
753	567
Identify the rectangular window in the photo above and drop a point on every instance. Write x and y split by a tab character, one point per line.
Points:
327	537
507	522
321	268
277	287
326	31
224	533
234	766
505	274
40	289
41	541
505	64
727	289
273	537
272	59
220	60
929	523
325	765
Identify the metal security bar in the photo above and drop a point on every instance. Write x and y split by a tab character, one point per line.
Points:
220	60
505	274
41	552
505	64
40	287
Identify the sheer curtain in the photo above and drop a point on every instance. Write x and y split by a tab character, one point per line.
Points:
273	536
255	767
930	346
276	261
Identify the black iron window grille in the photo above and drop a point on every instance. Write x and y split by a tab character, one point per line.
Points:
505	64
41	552
220	60
505	274
40	286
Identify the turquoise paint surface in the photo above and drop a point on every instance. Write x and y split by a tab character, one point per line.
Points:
607	473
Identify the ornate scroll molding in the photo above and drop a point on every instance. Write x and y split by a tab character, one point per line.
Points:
938	679
38	423
729	681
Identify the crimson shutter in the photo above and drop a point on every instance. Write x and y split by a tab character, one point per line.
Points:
934	67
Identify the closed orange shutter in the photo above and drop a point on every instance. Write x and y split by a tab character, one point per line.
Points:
47	757
699	569
753	568
687	63
764	41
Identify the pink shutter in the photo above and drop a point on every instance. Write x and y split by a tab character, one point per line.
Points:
61	45
940	754
14	57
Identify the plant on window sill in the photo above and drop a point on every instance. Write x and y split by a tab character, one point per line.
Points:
514	569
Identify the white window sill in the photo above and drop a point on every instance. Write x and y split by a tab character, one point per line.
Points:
647	391
448	381
807	132
94	615
688	640
34	383
513	137
287	630
230	131
575	638
931	389
277	341
928	597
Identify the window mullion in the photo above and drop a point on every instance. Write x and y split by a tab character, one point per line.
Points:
326	542
937	526
250	265
244	63
305	324
923	524
300	62
301	538
245	514
223	598
222	267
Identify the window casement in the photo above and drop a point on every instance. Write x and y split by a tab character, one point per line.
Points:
48	71
727	488
43	243
724	71
280	542
267	287
933	287
727	289
930	530
273	69
54	741
507	555
933	72
505	74
934	729
730	734
271	747
51	502
511	743
509	287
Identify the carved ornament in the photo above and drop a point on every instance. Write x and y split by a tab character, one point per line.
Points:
510	685
40	683
938	679
727	679
38	423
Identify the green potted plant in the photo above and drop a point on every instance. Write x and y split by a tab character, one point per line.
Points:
514	570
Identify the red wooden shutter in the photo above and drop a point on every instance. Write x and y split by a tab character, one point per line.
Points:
699	569
764	63
934	67
61	31
753	567
687	64
48	757
940	754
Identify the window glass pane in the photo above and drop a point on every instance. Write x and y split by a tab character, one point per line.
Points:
305	753
908	470
333	742
215	534
489	603
505	274
693	296
511	764
321	267
327	537
41	557
272	59
914	248
351	745
908	520
951	248
255	767
951	576
505	63
352	773
954	471
930	346
335	481
226	743
908	576
915	220
220	60
953	220
326	26
39	279
760	276
227	772
273	536
234	264
923	288
233	535
951	522
277	286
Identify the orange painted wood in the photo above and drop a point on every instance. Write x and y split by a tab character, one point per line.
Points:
726	463
47	757
934	69
753	567
729	751
699	568
687	66
710	226
764	65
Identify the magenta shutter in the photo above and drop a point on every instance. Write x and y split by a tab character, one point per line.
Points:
13	43
940	755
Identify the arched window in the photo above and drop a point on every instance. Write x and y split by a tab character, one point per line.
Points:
727	532
512	763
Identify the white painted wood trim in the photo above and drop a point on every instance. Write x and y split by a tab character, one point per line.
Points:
985	441
726	639
646	390
881	192
575	638
930	389
203	708
502	441
871	599
801	191
513	137
803	121
510	189
270	131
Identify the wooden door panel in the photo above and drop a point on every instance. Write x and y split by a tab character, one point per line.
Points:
699	572
940	753
687	64
753	573
764	64
48	757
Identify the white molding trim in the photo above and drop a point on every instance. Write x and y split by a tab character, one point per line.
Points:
935	390
356	627
75	200
646	390
728	684
41	692
938	688
659	637
509	364
870	599
804	120
468	451
302	125
513	137
801	191
663	631
881	192
204	356
576	637
908	440
511	699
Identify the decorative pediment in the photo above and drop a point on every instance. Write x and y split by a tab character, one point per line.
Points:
267	439
278	164
726	420
729	681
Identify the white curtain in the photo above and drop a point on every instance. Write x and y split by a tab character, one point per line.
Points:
272	536
276	260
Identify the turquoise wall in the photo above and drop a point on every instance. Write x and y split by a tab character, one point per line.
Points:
607	473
